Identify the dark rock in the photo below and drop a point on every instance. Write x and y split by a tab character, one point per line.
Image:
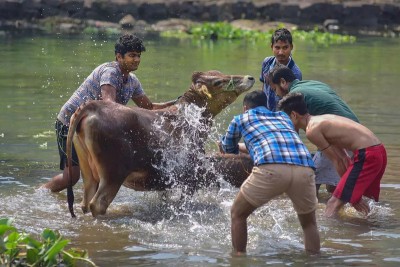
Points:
127	22
153	12
372	16
320	12
331	25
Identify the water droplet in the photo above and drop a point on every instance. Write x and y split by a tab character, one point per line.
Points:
43	146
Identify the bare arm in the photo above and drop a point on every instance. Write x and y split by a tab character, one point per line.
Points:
337	155
243	148
108	92
144	102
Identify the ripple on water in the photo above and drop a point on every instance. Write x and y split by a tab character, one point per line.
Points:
5	181
394	186
395	259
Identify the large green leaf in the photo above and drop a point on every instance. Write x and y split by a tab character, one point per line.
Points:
49	235
55	249
5	225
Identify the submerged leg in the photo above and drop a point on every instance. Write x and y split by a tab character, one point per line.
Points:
362	207
308	222
62	180
241	209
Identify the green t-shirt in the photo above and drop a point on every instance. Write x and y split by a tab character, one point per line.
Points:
321	99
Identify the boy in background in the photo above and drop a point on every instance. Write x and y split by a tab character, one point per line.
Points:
282	46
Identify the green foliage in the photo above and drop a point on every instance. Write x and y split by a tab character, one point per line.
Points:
175	34
220	30
224	30
323	38
20	249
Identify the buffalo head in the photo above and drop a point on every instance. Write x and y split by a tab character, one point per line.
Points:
215	91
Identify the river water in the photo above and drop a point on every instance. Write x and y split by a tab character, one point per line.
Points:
39	73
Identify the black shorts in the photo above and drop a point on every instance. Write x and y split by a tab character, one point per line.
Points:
61	134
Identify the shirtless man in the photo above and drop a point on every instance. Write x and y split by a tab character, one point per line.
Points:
333	135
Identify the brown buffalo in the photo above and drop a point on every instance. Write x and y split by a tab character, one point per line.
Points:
136	147
230	167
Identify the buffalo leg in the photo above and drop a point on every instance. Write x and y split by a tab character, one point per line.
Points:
106	192
89	182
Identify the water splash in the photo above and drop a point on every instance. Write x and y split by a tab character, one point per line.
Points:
44	134
378	211
178	144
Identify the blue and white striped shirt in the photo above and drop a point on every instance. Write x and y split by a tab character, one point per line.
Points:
269	136
107	73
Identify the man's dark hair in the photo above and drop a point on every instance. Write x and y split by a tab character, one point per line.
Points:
293	102
255	99
128	43
280	71
282	35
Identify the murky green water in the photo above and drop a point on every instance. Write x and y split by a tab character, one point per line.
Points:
38	74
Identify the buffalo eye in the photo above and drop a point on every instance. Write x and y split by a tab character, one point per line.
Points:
217	83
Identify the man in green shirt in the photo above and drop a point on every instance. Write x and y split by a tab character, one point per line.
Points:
320	99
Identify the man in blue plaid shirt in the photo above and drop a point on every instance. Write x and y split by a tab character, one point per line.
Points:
282	164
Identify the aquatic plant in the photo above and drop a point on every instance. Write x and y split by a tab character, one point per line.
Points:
323	38
21	249
224	30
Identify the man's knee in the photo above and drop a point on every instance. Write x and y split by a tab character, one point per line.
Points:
307	220
241	208
236	212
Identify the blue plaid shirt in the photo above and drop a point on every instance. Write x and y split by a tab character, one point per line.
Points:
269	136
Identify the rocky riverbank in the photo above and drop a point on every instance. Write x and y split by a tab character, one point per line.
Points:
72	16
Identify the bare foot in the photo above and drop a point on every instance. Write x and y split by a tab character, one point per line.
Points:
362	207
238	254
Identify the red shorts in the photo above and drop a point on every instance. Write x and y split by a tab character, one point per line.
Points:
363	177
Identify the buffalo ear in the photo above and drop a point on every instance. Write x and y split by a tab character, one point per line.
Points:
196	75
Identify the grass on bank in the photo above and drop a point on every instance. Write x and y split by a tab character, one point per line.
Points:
224	30
21	249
